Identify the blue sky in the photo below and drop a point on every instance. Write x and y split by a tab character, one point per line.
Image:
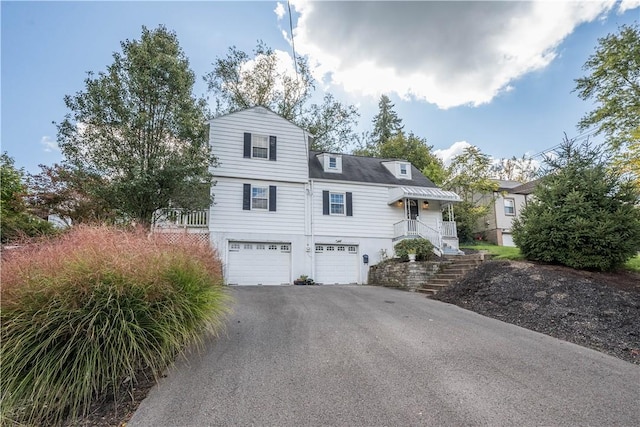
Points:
495	75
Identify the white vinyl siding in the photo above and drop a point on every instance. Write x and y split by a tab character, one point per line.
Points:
226	213
227	143
372	216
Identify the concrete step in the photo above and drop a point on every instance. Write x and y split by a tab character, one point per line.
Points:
445	282
448	275
427	292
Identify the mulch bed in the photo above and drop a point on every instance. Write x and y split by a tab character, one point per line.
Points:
596	310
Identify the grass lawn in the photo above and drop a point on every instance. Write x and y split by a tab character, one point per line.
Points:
633	264
498	252
506	252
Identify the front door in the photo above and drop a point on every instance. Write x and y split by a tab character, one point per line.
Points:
412	209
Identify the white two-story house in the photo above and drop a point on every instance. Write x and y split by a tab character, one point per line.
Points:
281	211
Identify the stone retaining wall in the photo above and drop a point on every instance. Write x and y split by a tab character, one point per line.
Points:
406	275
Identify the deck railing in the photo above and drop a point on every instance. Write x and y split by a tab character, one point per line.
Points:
449	229
413	228
181	218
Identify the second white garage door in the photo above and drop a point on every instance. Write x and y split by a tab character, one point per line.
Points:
259	263
336	264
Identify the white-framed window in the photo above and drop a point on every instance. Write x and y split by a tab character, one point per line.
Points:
259	146
260	247
353	249
509	207
259	197
319	248
403	169
331	248
273	247
341	248
336	203
285	248
333	162
234	247
248	246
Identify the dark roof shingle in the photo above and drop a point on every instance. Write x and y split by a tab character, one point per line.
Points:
365	169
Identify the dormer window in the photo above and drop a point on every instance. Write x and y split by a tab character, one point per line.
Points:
401	169
330	162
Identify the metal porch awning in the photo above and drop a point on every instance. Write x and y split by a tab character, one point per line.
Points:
422	193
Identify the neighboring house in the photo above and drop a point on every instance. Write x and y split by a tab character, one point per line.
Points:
281	211
506	203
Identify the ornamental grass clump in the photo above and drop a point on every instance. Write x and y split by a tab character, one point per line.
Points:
87	313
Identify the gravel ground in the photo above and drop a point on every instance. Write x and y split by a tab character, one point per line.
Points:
596	310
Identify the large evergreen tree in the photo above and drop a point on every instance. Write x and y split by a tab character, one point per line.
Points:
386	123
139	129
584	214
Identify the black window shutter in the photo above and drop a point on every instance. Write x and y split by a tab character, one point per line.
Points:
272	198
272	148
247	145
246	197
349	204
325	203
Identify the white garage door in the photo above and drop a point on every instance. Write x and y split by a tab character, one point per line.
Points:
336	264
507	239
259	263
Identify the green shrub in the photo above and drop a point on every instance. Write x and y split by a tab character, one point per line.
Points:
584	214
87	312
421	247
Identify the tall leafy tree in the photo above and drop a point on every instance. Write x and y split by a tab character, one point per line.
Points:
139	128
613	84
240	80
415	150
69	193
584	213
15	219
470	176
521	169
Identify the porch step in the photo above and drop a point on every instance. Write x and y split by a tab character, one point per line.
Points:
454	268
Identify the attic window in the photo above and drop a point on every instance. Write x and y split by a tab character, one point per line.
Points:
403	169
333	162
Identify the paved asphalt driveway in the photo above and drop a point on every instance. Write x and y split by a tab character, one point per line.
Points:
367	356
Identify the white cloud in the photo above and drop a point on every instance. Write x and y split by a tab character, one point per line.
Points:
279	11
49	145
627	5
447	154
445	53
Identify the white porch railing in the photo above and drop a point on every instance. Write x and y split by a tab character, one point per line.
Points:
413	228
166	218
449	229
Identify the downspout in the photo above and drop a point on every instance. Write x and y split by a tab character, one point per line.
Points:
313	238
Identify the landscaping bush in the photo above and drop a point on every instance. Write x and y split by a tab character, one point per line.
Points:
422	248
87	312
584	213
